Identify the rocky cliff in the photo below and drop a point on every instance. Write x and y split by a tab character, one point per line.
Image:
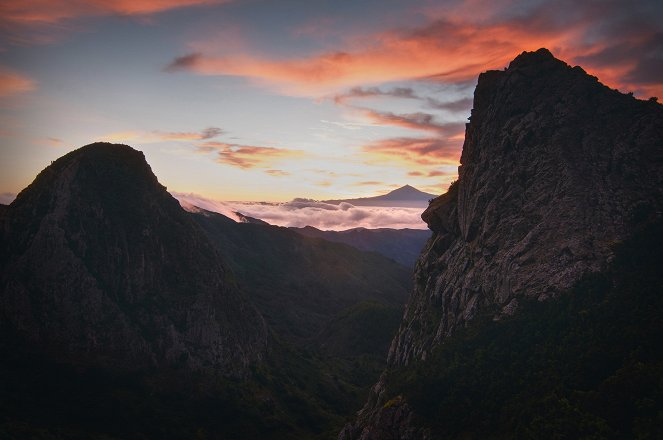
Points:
101	266
556	169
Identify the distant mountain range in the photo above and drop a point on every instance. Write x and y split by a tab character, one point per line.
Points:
405	197
401	245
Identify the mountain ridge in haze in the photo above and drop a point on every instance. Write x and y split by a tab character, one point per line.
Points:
401	245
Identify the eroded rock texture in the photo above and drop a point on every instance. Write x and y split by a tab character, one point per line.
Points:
556	168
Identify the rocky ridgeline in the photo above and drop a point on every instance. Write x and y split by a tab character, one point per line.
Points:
556	168
101	266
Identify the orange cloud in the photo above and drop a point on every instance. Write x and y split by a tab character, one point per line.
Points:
29	22
148	137
31	12
620	45
458	56
12	83
277	173
246	156
418	151
370	183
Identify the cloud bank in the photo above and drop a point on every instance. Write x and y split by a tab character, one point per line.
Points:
307	212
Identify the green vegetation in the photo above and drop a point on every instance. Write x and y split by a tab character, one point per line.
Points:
588	365
293	394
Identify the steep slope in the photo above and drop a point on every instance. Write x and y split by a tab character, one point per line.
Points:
401	245
556	169
101	266
299	283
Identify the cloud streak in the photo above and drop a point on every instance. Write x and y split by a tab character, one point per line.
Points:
12	83
414	121
248	156
415	151
148	137
40	12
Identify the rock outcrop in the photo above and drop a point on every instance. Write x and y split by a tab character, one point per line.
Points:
556	168
101	266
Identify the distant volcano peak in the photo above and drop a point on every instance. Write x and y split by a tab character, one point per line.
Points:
405	196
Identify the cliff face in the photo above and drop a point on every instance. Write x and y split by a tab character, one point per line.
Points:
556	168
101	266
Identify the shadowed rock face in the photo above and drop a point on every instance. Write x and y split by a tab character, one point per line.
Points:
101	266
556	168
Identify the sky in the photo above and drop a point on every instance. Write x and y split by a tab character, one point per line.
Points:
256	100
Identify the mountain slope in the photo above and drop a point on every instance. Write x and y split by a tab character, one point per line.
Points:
405	196
401	245
119	318
301	283
556	169
101	266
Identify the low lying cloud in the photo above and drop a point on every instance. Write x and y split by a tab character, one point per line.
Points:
307	212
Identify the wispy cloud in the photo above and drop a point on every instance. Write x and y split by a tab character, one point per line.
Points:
29	22
247	156
371	92
12	83
277	173
53	11
621	45
414	121
148	137
415	151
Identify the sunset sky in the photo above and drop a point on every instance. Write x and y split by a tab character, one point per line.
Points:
271	100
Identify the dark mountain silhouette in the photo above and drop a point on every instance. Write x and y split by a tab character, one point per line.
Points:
405	196
401	245
124	316
559	199
101	266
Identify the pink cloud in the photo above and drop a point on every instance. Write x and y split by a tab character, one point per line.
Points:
247	156
306	212
12	83
618	44
417	151
34	12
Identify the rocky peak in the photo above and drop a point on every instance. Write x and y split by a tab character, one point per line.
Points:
102	266
556	168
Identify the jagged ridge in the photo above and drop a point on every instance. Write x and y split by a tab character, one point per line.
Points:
556	168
